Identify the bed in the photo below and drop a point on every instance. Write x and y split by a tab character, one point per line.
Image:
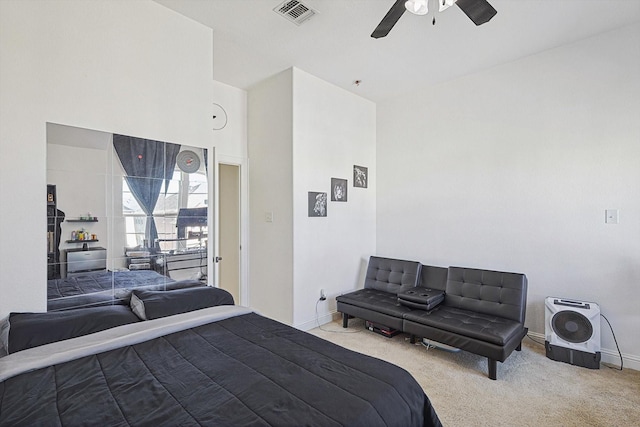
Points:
107	287
217	365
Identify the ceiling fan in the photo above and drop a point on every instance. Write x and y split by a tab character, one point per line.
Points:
479	11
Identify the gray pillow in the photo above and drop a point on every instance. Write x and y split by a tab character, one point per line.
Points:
28	330
148	305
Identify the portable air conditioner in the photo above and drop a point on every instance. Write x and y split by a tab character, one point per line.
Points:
572	332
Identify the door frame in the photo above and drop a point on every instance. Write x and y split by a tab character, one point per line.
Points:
243	220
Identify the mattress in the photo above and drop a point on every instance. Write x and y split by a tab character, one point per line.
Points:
223	365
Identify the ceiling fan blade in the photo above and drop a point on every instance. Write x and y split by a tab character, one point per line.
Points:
389	20
479	11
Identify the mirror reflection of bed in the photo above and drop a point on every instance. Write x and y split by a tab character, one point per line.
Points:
125	213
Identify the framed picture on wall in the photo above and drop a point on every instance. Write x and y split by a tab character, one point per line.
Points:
338	190
317	204
360	176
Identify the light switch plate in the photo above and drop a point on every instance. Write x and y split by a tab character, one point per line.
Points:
611	216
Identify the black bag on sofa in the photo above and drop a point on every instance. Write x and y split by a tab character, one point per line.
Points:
421	298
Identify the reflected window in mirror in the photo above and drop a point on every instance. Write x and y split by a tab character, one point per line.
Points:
184	190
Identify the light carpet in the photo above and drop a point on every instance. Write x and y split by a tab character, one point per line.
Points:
531	390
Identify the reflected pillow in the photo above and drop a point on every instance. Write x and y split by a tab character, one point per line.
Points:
4	336
28	330
181	284
148	305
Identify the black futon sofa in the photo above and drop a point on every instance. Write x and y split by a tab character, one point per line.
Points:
483	311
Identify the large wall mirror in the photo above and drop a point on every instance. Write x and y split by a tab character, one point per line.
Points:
123	213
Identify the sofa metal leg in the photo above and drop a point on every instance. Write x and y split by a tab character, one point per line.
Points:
519	347
493	369
412	340
345	320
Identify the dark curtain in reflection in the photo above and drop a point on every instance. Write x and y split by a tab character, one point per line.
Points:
148	165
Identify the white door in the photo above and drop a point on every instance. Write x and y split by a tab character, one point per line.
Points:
229	229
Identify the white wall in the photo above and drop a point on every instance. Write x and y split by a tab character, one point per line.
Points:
512	169
231	148
270	130
231	141
134	68
333	130
303	132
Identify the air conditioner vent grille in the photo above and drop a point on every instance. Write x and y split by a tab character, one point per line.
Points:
294	11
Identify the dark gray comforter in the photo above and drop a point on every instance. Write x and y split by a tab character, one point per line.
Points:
242	371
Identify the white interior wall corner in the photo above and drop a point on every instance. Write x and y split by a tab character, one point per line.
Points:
333	130
512	169
269	107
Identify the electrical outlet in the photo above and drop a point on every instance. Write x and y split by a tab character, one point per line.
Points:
323	296
611	216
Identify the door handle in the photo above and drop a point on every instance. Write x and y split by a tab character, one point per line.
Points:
217	259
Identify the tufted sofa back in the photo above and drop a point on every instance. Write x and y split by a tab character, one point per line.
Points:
391	275
433	277
488	292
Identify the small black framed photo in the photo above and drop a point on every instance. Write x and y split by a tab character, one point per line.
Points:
338	190
360	176
317	204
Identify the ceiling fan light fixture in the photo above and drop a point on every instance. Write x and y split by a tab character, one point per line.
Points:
417	7
445	4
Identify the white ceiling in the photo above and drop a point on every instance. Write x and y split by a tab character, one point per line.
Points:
251	42
77	137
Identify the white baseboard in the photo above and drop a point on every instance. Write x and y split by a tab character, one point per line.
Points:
322	320
610	357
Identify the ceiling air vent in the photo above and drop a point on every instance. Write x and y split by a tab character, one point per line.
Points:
294	11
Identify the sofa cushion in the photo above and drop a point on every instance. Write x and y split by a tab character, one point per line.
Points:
488	292
493	329
372	299
391	275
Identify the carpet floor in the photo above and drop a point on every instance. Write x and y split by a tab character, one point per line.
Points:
531	390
